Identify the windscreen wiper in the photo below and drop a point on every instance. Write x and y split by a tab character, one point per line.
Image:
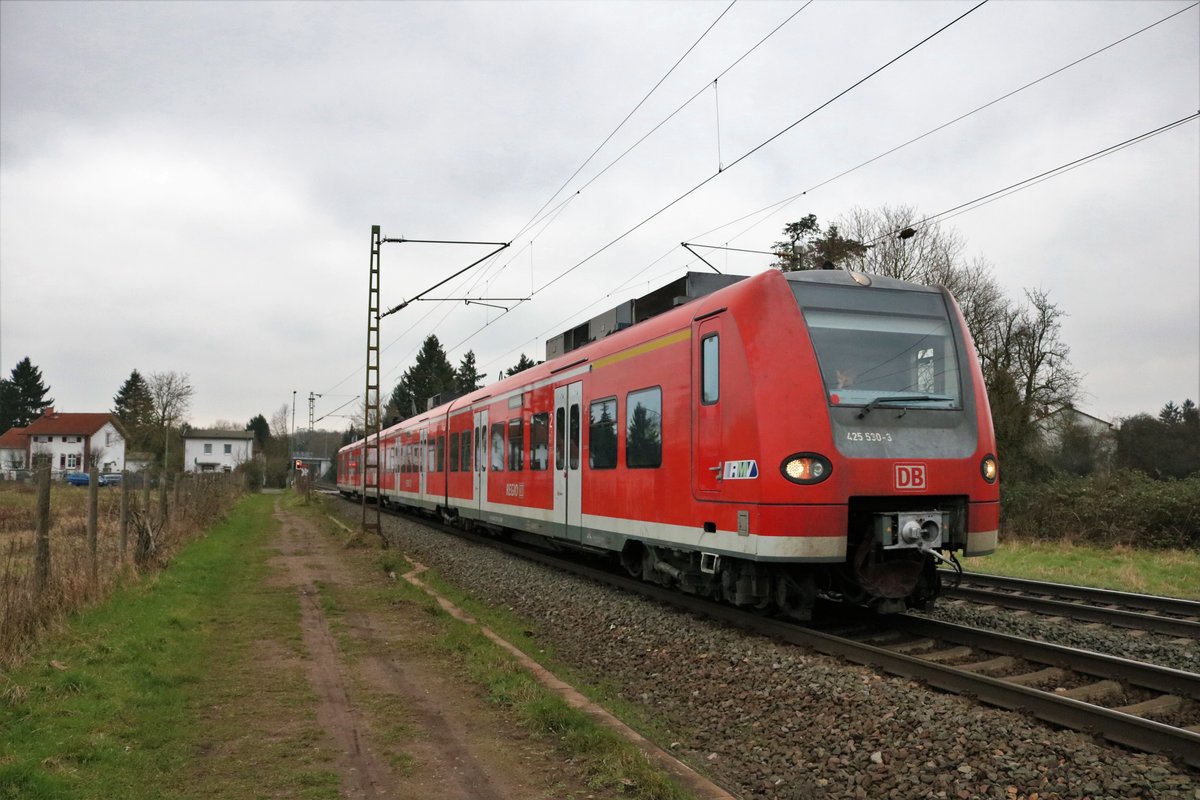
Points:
900	398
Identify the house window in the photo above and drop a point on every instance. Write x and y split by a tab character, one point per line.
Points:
539	441
207	449
643	431
228	449
72	461
602	434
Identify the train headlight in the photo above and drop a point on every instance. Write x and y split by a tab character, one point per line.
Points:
989	469
806	468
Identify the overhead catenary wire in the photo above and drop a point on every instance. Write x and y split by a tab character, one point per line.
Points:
1033	180
780	204
620	125
960	208
539	217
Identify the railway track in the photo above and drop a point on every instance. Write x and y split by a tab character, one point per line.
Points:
1166	615
1142	706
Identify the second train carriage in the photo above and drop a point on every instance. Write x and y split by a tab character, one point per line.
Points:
783	437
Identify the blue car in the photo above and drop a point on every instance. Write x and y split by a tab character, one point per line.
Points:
105	479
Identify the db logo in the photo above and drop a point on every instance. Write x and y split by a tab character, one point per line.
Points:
910	477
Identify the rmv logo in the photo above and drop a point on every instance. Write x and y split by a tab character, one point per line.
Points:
910	477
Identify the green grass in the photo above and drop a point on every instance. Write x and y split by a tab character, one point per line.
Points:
1174	573
162	692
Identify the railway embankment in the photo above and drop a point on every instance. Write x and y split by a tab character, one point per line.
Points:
773	721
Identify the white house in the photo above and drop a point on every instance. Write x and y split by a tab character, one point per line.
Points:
14	453
216	451
76	442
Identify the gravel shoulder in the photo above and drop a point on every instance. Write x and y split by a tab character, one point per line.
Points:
771	721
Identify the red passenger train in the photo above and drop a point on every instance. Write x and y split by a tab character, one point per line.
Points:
783	437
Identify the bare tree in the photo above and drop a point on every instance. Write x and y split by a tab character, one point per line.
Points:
933	255
171	393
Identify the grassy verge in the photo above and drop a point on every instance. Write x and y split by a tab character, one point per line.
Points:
188	685
608	762
1163	572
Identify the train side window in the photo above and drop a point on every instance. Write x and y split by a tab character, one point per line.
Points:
643	428
440	456
498	447
431	456
481	448
560	439
454	454
602	434
465	451
574	436
516	444
539	441
710	369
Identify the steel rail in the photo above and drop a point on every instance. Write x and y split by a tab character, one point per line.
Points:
1125	729
1137	673
1171	626
1131	731
1146	602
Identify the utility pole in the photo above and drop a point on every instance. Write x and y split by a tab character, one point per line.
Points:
292	439
372	417
311	404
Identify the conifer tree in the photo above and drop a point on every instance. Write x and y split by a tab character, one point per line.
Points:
22	396
467	376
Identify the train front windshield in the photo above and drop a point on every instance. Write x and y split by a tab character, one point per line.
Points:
881	347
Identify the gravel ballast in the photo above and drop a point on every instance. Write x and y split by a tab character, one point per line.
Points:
773	721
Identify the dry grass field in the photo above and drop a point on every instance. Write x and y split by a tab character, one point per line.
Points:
24	611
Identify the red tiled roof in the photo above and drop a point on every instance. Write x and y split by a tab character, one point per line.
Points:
70	424
13	439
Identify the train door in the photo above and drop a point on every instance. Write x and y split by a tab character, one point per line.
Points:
481	461
708	431
568	446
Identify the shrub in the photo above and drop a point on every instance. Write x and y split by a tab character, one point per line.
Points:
1126	507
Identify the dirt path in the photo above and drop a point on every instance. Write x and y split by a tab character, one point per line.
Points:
402	725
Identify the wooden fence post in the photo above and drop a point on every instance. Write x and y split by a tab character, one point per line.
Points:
41	560
162	497
93	503
124	515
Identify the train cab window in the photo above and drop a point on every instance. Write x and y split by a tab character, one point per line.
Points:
516	444
575	424
454	452
560	439
498	447
883	347
710	369
602	434
539	441
643	428
440	455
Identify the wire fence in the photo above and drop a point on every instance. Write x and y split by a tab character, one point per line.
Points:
63	547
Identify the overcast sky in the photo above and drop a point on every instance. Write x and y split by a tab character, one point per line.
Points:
191	186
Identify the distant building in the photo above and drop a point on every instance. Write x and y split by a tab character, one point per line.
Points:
75	442
14	453
1053	424
216	451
